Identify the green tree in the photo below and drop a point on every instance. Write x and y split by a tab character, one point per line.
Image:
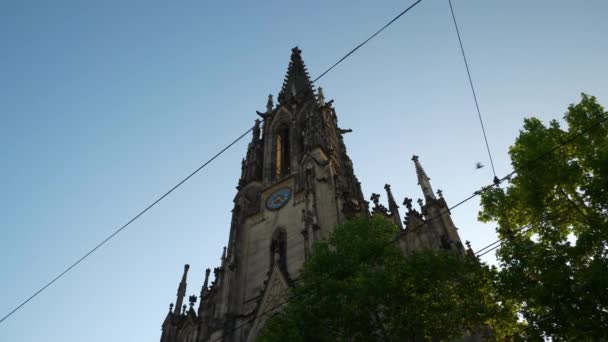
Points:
552	220
360	287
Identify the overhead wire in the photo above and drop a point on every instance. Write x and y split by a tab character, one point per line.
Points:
124	226
573	204
466	64
486	247
116	232
368	39
498	242
489	250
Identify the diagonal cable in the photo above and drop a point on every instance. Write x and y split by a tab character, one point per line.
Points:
125	225
116	232
466	64
367	40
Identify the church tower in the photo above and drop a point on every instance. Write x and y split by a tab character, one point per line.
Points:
297	183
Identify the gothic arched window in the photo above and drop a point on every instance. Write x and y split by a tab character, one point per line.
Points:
278	249
281	157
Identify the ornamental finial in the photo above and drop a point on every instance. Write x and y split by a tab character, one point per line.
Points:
407	202
378	208
192	300
321	97
269	104
206	283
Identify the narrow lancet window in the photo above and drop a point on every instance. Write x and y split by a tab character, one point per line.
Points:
279	155
282	159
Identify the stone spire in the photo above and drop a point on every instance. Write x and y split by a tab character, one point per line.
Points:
169	316
321	97
181	290
423	179
297	82
205	283
269	104
392	206
204	291
256	131
251	166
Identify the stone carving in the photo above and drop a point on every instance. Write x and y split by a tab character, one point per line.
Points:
192	300
407	202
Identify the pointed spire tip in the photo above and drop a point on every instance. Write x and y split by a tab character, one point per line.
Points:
423	179
297	81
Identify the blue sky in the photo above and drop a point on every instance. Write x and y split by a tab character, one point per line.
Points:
106	105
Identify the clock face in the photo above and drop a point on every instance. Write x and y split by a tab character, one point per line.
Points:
278	198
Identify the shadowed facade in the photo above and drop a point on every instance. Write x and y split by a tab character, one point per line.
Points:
297	183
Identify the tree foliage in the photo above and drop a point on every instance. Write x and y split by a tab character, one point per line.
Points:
552	221
360	287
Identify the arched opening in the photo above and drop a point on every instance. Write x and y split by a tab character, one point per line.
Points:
282	158
278	249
